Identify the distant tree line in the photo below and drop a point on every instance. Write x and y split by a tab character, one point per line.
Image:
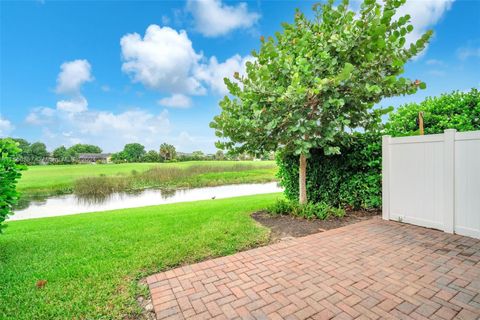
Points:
36	153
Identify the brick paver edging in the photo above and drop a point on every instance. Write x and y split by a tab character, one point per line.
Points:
370	270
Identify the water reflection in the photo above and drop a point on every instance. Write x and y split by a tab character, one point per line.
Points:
72	204
25	202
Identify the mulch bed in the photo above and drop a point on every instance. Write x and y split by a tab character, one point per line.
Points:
287	226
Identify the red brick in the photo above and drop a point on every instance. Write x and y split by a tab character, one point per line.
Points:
369	270
446	313
387	305
406	307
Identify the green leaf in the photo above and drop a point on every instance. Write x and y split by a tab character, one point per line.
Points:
346	72
315	75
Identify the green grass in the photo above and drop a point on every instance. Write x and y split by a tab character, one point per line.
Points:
49	180
93	261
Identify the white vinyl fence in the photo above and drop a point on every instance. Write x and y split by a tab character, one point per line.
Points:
433	181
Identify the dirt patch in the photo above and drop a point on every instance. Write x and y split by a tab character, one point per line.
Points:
288	226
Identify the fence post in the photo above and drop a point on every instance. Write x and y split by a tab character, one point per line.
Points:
386	177
449	180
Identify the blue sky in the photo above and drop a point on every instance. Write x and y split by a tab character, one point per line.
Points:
111	73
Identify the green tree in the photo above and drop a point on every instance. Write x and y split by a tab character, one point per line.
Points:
133	152
167	152
9	175
456	110
151	156
23	155
119	157
84	148
198	155
37	153
61	155
317	81
76	149
219	155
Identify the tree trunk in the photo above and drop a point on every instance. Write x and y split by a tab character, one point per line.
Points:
303	179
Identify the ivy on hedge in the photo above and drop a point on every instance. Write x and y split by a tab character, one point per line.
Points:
350	179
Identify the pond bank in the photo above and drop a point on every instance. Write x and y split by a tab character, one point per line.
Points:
73	204
43	181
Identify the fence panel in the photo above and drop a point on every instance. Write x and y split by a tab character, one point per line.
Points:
433	181
467	183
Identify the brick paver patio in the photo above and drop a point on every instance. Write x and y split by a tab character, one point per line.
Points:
369	270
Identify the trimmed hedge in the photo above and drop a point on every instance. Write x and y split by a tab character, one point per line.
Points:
456	110
353	178
350	179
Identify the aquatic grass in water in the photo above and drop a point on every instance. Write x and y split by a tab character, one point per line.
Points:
60	179
101	186
158	177
162	175
74	204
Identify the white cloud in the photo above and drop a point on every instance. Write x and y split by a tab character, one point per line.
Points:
465	53
5	127
40	115
114	130
176	101
163	59
165	20
434	62
75	105
424	15
214	73
185	142
107	129
437	73
105	88
127	124
48	133
213	18
72	76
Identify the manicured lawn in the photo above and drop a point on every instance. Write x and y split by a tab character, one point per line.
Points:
46	180
92	261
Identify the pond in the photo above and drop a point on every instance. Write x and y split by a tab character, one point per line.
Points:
72	204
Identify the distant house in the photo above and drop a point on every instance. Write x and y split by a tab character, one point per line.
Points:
94	157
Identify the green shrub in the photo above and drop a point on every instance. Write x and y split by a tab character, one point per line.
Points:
337	212
456	110
309	210
9	175
351	179
280	207
322	210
